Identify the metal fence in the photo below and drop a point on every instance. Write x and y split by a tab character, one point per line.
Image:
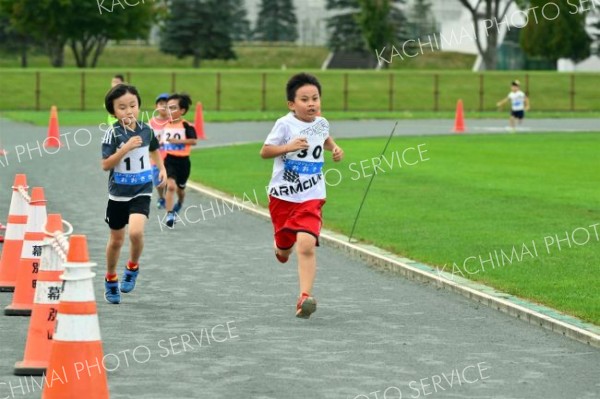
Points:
342	91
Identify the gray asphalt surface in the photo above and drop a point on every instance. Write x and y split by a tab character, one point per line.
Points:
373	333
243	132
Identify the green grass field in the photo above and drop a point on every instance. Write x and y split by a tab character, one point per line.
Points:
88	118
132	56
476	195
263	90
248	56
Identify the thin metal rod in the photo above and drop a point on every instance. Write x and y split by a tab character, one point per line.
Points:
370	182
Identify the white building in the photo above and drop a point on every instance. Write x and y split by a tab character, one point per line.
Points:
311	15
456	26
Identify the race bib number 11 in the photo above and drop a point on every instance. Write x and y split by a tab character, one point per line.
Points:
134	168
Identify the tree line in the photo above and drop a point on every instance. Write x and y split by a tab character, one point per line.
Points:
207	29
200	29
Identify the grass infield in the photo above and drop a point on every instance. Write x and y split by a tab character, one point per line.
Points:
515	212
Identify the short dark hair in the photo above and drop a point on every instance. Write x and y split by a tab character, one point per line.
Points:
184	100
516	83
119	76
299	80
118	91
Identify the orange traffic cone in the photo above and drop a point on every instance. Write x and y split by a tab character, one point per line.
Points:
76	353
199	122
45	304
53	139
459	120
13	239
31	253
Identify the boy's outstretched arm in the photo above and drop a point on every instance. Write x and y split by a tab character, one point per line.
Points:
190	133
330	145
114	159
272	151
182	141
162	174
502	102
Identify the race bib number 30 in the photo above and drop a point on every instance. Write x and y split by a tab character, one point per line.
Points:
308	161
303	167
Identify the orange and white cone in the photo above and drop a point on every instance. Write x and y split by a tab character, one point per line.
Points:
199	122
53	139
31	254
459	119
13	237
45	302
75	369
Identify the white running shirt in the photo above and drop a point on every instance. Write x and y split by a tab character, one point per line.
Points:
517	99
298	176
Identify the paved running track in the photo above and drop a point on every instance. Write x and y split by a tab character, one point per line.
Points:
242	132
375	335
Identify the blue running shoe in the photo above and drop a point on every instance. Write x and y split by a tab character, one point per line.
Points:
170	220
128	282
112	294
177	207
161	203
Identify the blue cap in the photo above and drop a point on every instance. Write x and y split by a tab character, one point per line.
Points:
162	96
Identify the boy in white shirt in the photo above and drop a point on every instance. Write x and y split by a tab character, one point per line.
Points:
519	104
297	187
